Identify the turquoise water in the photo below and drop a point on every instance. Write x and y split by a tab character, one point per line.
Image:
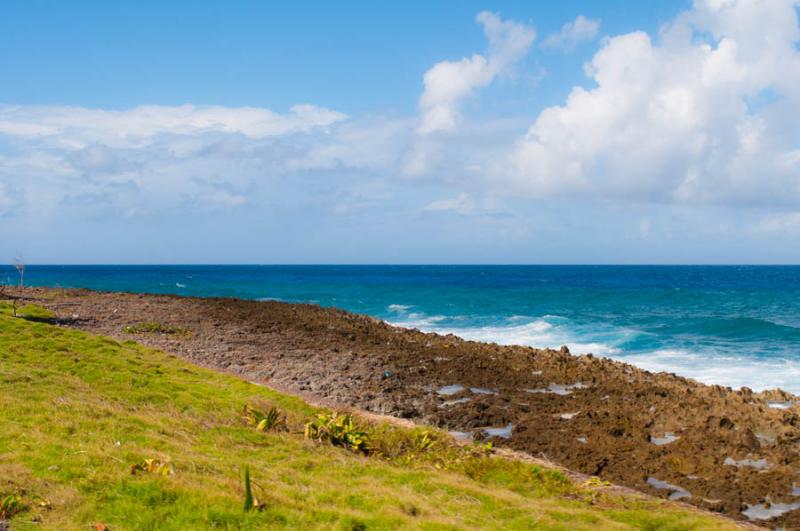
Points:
729	325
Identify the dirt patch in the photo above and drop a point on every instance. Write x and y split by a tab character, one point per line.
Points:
720	449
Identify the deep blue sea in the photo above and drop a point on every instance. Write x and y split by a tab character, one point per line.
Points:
731	325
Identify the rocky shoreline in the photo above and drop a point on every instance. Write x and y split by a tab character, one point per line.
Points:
732	451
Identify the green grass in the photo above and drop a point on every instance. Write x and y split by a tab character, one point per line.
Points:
154	328
78	411
28	311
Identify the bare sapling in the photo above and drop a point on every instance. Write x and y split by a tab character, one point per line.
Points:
19	264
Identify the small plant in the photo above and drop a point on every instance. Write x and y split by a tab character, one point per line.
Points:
10	505
338	430
248	491
250	501
263	421
424	442
154	328
19	264
595	482
153	466
593	489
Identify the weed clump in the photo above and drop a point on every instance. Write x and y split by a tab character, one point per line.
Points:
10	505
272	419
338	430
155	328
153	466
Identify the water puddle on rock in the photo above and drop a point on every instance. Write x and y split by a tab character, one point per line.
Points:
482	391
461	436
448	390
668	437
504	432
448	403
558	389
677	492
766	439
780	405
768	510
758	464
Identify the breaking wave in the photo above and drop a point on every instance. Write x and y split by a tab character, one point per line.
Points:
705	364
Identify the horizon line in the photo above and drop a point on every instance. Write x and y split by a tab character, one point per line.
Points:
410	264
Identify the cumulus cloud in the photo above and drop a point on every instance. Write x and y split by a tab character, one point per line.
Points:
447	83
573	33
706	113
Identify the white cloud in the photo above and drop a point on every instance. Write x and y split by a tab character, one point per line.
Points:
222	198
573	33
486	207
461	204
373	143
788	222
705	114
152	157
78	127
449	82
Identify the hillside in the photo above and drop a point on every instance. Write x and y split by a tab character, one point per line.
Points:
79	412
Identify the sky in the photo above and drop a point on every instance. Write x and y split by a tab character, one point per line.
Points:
407	132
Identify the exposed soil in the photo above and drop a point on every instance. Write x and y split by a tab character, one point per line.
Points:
721	449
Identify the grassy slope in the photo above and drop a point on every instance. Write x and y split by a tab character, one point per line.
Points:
77	410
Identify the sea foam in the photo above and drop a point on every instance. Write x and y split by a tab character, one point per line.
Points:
552	331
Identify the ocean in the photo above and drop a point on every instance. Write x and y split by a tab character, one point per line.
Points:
728	325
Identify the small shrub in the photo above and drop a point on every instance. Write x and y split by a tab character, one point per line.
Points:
338	430
153	466
10	505
154	328
261	421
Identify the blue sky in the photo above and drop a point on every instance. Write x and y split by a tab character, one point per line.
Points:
355	57
416	132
